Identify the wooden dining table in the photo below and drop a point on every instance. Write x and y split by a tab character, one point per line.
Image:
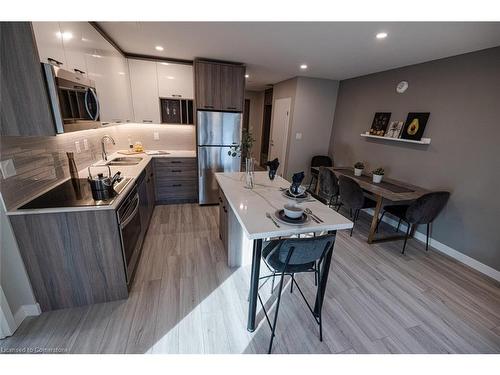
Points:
388	189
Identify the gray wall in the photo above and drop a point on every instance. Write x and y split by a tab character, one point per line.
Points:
311	113
462	93
255	119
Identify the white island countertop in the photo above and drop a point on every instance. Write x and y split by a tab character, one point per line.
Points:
251	205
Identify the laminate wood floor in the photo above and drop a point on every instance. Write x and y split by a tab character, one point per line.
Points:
185	299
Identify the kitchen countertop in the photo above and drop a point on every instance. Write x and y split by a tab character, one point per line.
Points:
132	171
250	207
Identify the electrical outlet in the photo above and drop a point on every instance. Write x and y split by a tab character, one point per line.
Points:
156	136
298	136
8	169
77	146
85	144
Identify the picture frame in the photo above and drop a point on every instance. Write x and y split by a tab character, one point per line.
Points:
415	125
379	124
394	129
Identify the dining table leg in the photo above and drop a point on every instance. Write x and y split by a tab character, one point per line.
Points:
254	284
373	226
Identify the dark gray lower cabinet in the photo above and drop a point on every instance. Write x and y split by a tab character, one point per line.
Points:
146	190
72	258
176	180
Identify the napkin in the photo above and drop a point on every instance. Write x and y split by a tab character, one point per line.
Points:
273	167
296	181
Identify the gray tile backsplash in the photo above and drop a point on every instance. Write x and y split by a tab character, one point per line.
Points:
41	162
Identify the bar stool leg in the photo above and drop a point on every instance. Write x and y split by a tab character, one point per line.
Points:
276	313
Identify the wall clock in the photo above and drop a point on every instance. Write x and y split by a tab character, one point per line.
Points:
402	87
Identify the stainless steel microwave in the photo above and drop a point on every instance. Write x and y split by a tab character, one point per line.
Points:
73	98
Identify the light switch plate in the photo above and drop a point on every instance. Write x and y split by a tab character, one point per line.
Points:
8	169
298	135
85	144
156	136
77	146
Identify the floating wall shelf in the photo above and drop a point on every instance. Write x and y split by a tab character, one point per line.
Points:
423	141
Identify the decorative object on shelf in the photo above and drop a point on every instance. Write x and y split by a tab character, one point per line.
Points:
358	168
377	175
138	147
380	122
273	168
295	188
402	87
415	125
394	130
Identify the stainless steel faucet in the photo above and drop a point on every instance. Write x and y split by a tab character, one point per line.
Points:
103	140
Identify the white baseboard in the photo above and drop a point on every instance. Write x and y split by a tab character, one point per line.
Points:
25	311
445	249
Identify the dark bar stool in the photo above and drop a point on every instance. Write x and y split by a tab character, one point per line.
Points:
352	196
421	211
318	161
289	257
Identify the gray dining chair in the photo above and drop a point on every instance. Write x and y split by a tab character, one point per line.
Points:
291	256
318	161
351	195
328	191
423	210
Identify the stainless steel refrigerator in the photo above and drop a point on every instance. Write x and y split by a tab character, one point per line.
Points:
217	132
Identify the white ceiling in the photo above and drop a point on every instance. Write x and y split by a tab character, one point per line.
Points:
273	51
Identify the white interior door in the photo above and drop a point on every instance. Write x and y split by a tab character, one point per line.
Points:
279	132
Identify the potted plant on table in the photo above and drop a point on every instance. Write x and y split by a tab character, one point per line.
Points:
244	149
358	168
377	175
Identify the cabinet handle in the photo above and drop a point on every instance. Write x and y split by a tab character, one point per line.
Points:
176	162
54	61
220	199
208	106
231	107
176	96
176	185
148	121
79	71
176	170
224	208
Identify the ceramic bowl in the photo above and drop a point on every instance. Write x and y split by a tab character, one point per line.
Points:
292	211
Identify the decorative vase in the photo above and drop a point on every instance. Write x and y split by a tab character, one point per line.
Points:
358	172
249	173
377	178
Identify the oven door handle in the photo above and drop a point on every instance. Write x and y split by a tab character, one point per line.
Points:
128	218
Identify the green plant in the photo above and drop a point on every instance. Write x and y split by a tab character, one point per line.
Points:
379	171
245	147
359	165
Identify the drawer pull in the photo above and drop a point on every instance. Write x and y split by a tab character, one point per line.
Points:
231	107
176	185
176	170
220	199
224	208
176	162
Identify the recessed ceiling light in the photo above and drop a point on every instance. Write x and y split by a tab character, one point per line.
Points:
303	66
170	77
159	48
164	63
381	35
121	73
247	75
65	35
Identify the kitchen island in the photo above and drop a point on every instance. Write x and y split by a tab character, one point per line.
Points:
245	225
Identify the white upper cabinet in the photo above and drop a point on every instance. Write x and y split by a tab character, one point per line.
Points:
145	97
75	43
49	41
175	80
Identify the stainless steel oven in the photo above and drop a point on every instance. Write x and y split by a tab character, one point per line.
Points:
73	98
130	224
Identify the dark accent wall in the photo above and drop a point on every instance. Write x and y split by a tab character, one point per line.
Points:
462	93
